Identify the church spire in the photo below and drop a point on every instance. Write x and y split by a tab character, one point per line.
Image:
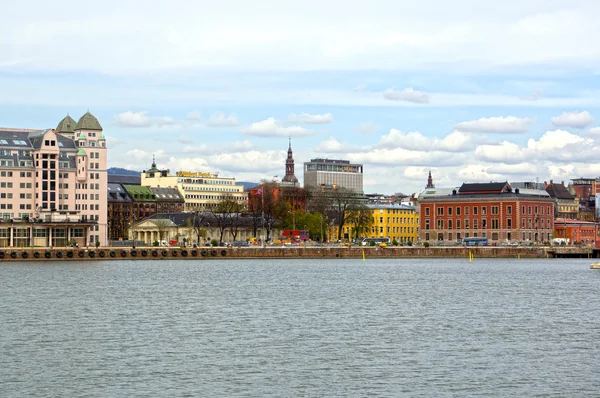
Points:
430	181
290	178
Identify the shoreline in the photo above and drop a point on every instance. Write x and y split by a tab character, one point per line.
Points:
207	253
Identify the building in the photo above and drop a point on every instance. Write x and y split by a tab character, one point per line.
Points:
584	190
200	191
53	184
331	173
144	202
120	211
576	231
565	204
192	228
493	210
398	223
289	180
168	200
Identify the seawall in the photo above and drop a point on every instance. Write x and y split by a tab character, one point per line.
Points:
207	253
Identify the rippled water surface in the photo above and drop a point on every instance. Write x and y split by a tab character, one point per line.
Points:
300	328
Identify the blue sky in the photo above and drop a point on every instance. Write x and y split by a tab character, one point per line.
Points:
474	90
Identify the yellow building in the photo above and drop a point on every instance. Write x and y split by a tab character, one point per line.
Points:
201	191
396	222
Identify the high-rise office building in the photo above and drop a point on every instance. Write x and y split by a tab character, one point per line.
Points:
330	173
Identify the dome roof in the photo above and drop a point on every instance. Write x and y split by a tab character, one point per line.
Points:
102	137
88	122
67	125
81	136
81	152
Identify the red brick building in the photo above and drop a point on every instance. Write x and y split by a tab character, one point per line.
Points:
492	210
576	231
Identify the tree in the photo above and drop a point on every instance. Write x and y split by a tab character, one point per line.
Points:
162	225
341	200
197	222
224	214
360	218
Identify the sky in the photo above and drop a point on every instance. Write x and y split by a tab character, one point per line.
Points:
475	91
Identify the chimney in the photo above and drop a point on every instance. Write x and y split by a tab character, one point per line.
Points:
562	183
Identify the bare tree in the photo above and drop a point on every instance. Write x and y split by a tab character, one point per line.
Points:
162	225
341	200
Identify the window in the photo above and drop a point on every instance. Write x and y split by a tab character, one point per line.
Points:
495	223
508	209
475	224
449	224
457	224
475	210
466	210
426	224
449	211
440	211
494	209
458	210
466	224
440	224
483	210
427	211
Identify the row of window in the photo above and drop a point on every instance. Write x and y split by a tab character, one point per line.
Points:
398	220
525	223
399	230
494	210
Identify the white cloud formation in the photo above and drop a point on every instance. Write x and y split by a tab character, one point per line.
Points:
408	95
573	119
219	119
272	127
194	116
141	119
553	140
594	132
257	161
503	152
332	145
207	149
453	142
526	169
496	125
401	156
307	118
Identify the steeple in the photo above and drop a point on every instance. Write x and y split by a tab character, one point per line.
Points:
430	181
290	178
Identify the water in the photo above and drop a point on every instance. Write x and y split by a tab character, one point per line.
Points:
300	328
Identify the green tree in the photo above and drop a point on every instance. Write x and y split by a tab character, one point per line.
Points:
360	218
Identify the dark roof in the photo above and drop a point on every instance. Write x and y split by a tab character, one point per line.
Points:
167	194
88	122
67	125
205	218
559	191
17	139
125	179
116	193
486	186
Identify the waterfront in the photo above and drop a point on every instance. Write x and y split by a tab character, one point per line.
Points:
386	327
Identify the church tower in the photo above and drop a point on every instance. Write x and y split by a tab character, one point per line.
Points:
430	181
289	179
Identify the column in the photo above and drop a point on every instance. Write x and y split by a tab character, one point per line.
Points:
50	236
11	233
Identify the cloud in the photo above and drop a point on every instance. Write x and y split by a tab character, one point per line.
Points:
496	125
553	140
503	152
538	94
185	139
257	161
194	115
141	156
307	118
332	145
408	95
525	168
401	156
272	127
219	119
367	128
573	119
359	88
594	132
453	142
141	119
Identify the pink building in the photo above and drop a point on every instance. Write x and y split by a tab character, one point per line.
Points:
53	185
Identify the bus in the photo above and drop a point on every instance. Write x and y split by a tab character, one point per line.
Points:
475	241
376	241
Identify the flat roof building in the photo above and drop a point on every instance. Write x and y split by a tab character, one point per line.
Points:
331	173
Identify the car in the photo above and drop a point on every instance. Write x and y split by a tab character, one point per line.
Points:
240	243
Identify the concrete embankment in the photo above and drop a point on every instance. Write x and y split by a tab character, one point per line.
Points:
206	253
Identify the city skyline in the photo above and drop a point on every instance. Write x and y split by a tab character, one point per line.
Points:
502	92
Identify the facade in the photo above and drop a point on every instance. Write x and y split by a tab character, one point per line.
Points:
168	200
53	184
289	180
331	173
396	222
144	202
565	204
491	210
120	211
200	191
179	227
576	231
